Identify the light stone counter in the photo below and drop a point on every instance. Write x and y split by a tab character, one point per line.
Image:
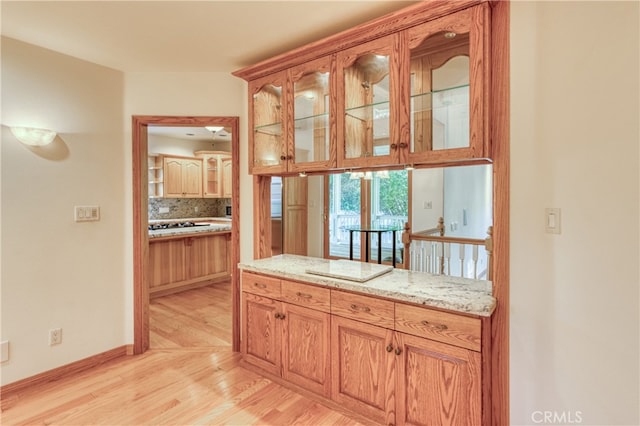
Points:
215	224
439	291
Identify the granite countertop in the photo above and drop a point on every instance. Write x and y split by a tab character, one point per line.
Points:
439	291
214	224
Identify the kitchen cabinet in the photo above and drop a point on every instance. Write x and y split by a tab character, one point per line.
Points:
182	177
418	95
390	361
368	120
447	75
267	153
155	176
216	173
400	378
290	116
286	328
177	263
226	163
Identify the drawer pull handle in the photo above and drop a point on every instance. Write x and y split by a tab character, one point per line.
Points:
360	308
390	347
304	295
398	351
278	315
433	325
260	285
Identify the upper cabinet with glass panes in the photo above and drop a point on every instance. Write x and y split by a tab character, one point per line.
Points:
446	77
291	114
412	90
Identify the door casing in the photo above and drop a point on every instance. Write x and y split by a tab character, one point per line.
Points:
140	220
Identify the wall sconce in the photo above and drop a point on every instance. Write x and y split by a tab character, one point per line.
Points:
32	136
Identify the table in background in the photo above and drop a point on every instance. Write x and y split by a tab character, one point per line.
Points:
378	231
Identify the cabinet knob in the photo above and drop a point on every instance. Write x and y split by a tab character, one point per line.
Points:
390	347
282	158
277	315
398	351
394	146
402	145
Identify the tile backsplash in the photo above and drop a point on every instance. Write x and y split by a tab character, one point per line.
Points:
187	207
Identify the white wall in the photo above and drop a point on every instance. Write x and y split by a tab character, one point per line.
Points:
574	145
56	272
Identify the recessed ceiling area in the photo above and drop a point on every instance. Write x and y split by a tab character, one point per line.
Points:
198	134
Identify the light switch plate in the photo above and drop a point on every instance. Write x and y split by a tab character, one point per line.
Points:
552	220
86	213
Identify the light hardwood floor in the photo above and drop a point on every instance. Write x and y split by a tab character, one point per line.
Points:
189	377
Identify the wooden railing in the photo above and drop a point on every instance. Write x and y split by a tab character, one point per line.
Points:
431	251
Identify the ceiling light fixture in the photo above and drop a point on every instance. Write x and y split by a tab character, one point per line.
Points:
214	128
32	136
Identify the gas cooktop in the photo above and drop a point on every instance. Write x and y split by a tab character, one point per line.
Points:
171	225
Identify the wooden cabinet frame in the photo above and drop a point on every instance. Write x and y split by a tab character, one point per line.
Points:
497	131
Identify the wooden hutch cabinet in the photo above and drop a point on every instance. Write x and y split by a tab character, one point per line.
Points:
416	96
425	86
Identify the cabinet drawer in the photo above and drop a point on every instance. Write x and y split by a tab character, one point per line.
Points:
362	308
259	284
444	327
306	295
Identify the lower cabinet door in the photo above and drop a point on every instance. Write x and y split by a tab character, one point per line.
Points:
261	332
437	384
306	360
363	362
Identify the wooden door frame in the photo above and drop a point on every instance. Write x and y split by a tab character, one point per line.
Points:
140	220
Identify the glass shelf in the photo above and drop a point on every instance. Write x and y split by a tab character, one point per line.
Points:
453	96
375	111
318	121
272	129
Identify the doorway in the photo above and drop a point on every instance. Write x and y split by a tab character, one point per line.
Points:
140	220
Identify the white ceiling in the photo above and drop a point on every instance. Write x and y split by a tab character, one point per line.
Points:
182	36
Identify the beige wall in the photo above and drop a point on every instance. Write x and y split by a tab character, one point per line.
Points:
574	145
56	272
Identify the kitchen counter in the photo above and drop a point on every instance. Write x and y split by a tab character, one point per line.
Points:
213	224
440	291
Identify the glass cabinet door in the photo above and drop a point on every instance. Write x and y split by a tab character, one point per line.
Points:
446	104
310	130
366	121
267	111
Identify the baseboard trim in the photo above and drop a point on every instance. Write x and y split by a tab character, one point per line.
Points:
65	370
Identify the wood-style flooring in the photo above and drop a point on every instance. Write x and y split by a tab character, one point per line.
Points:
188	377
